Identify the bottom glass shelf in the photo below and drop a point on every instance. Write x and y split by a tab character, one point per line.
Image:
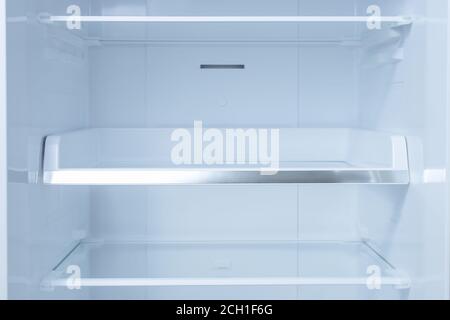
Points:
191	270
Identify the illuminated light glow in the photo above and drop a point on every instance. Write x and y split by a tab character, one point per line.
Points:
435	176
118	177
215	176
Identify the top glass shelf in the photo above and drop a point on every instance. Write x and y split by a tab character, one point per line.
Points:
344	30
232	19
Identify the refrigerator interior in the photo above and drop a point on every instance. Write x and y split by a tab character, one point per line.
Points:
359	209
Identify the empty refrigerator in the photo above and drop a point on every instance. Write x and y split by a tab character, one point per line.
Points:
193	149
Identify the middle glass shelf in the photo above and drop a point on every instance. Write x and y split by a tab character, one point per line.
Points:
159	157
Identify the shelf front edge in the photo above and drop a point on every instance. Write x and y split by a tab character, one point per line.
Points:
218	176
178	282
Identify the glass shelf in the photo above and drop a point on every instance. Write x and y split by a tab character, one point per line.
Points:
345	30
229	19
143	157
212	264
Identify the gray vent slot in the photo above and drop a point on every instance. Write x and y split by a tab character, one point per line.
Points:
223	66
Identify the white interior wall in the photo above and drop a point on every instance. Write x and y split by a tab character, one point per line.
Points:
161	85
47	93
391	217
410	225
277	88
124	94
